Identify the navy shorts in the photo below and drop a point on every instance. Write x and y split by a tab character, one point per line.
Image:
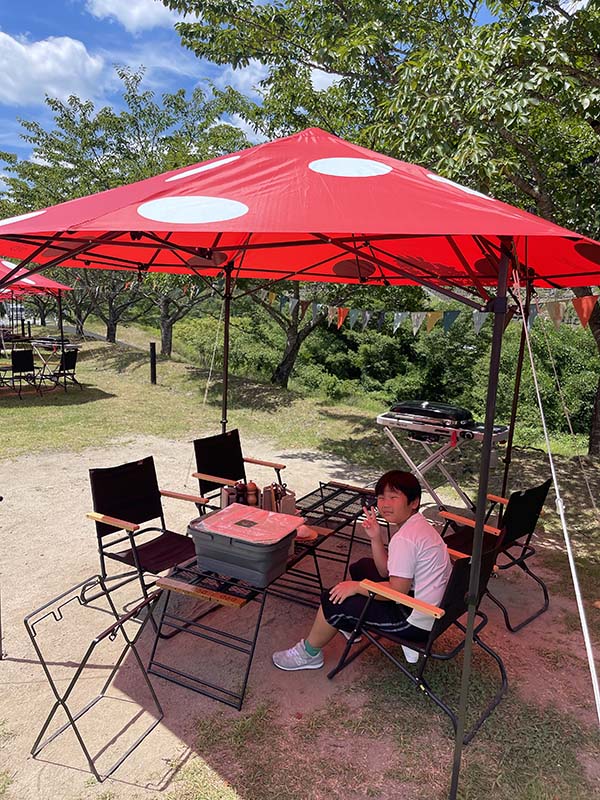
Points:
387	617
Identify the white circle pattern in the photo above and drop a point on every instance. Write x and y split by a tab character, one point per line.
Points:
349	167
21	217
203	168
192	209
462	188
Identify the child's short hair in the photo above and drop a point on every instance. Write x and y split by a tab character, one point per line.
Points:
404	482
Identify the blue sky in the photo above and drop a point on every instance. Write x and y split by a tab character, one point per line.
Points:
63	47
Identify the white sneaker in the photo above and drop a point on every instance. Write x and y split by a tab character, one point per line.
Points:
297	658
412	656
347	635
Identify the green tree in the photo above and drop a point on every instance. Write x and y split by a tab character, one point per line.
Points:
510	107
90	150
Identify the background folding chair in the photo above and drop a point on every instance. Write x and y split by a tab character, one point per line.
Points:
220	462
40	625
23	369
518	520
65	371
124	497
452	607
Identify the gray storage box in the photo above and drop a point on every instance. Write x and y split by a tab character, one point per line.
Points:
244	542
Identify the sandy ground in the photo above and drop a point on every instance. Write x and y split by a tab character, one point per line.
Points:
48	545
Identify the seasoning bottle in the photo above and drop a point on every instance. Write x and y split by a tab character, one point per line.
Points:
252	493
241	495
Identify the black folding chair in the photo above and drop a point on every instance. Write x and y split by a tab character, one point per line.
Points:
23	369
41	627
220	462
518	522
124	497
452	607
65	371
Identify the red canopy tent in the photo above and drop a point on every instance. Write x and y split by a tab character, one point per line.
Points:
313	207
30	284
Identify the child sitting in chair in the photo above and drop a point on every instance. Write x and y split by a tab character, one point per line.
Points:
416	559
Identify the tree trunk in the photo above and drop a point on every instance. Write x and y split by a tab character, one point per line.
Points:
111	330
42	313
594	326
79	326
281	375
166	336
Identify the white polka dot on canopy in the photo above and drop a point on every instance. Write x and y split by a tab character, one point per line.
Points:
21	217
349	167
192	209
462	188
203	168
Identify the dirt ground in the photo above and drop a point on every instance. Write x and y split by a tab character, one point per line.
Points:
48	545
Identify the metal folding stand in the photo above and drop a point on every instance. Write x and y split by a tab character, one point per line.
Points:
53	612
193	582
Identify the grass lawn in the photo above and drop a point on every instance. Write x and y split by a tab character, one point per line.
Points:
526	750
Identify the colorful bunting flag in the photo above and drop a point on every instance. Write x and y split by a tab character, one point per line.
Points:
399	317
315	307
533	313
432	318
584	307
304	304
479	317
366	316
417	318
271	298
293	304
331	314
556	312
353	316
342	313
450	318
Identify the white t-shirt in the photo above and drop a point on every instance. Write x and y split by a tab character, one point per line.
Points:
417	551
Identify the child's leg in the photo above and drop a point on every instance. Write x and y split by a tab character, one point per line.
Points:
321	632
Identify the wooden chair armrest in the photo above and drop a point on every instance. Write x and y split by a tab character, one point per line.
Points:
404	599
172	585
495	498
213	478
193	498
261	463
342	485
117	523
469	522
456	554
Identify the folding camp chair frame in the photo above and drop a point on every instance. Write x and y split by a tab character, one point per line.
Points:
83	593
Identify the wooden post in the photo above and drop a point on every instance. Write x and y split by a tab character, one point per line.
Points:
153	362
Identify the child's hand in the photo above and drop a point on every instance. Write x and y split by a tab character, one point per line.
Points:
370	525
343	590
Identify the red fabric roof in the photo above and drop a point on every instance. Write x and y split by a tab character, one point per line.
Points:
31	284
310	207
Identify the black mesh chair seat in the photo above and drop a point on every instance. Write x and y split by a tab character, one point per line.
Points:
453	606
518	524
157	555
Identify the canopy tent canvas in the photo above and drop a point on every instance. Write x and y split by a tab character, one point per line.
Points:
30	284
314	207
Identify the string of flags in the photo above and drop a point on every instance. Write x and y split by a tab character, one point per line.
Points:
554	310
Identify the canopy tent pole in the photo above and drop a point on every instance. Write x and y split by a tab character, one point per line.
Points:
499	308
227	298
516	393
62	337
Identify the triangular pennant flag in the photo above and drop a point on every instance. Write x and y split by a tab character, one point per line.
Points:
399	317
584	307
417	318
293	304
342	314
380	320
263	294
479	317
331	314
556	312
432	318
450	318
283	299
533	312
271	298
304	304
366	316
314	311
353	316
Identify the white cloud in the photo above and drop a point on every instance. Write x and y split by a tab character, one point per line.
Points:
323	80
244	79
57	66
134	15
